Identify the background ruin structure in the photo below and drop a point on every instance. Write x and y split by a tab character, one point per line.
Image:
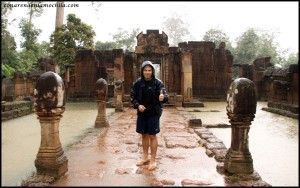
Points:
193	69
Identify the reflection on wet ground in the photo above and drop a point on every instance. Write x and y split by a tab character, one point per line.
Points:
273	142
21	138
109	158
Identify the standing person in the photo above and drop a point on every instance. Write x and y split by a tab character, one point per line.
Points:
147	95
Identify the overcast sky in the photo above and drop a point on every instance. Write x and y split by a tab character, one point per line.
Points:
233	18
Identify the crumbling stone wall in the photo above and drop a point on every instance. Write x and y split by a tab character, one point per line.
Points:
23	86
174	70
152	46
223	66
48	64
283	88
85	73
210	72
211	68
256	73
259	67
7	89
129	59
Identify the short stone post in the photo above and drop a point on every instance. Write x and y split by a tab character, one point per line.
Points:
241	107
101	94
178	100
49	105
119	96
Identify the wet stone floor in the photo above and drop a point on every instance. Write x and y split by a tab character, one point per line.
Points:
186	156
108	156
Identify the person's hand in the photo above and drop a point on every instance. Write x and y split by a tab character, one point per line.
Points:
141	108
161	96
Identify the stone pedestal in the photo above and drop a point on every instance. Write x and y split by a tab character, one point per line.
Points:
49	105
241	107
50	159
101	120
178	100
119	96
101	94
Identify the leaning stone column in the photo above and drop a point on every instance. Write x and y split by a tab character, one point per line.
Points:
119	96
241	107
49	105
101	94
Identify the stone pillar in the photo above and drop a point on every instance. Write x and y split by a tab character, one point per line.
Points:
119	96
178	100
59	15
118	56
101	94
241	107
186	76
49	105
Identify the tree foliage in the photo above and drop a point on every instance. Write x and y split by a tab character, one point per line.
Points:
8	45
105	45
125	39
34	11
217	36
247	47
122	39
30	34
176	29
66	40
293	58
253	44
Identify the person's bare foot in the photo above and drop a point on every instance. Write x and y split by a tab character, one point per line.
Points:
144	161
152	165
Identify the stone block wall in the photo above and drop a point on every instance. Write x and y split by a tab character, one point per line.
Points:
10	110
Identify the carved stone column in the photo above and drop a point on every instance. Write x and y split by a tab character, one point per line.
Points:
49	105
186	76
101	94
241	107
119	96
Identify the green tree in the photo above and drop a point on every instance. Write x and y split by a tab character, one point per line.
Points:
268	47
126	40
66	40
34	11
27	60
30	34
176	29
293	58
5	10
254	44
43	49
247	47
217	36
105	45
8	45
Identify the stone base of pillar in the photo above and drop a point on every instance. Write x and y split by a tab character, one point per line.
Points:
238	163
178	100
51	164
119	108
101	122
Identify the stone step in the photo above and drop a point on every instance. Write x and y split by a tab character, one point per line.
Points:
192	104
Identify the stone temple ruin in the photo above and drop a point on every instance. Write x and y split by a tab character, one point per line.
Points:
194	69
